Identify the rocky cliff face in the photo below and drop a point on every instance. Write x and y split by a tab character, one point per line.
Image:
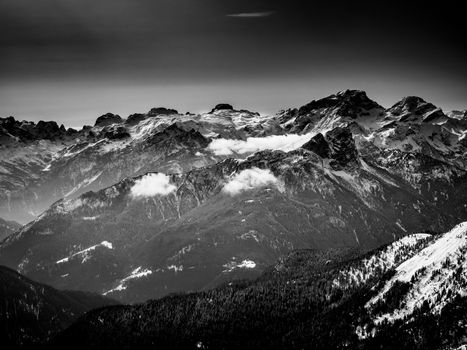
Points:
172	211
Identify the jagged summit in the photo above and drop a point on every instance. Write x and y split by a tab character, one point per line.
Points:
349	102
14	130
338	109
412	104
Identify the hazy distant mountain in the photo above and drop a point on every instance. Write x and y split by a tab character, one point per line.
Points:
31	313
409	294
236	191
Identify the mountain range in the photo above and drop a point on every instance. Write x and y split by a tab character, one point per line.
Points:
187	202
231	229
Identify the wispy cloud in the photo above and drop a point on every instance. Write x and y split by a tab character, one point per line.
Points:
251	14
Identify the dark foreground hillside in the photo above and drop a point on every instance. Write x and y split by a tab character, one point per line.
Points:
31	313
311	300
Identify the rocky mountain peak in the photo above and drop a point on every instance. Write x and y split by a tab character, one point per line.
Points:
108	119
161	111
338	145
135	118
318	145
46	130
176	134
221	107
413	105
30	131
348	102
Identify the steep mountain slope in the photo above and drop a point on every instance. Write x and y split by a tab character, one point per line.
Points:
339	172
7	228
31	313
312	299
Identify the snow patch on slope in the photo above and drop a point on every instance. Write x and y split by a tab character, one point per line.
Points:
85	252
244	264
383	261
135	274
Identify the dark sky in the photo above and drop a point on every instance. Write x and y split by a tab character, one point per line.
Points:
72	60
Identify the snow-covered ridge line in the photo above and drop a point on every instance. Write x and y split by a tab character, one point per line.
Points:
383	261
436	274
85	252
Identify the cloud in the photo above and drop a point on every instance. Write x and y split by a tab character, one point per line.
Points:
286	143
251	14
251	178
151	185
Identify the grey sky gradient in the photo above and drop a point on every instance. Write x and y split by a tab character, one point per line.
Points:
72	60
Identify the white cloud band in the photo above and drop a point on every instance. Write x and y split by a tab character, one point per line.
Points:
151	185
249	179
286	143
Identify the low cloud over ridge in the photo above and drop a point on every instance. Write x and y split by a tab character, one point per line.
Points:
286	143
151	185
249	179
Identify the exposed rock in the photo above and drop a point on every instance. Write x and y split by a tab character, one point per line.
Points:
318	145
116	133
222	107
343	151
413	105
173	136
338	145
108	119
348	103
135	118
161	111
71	132
47	130
29	131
